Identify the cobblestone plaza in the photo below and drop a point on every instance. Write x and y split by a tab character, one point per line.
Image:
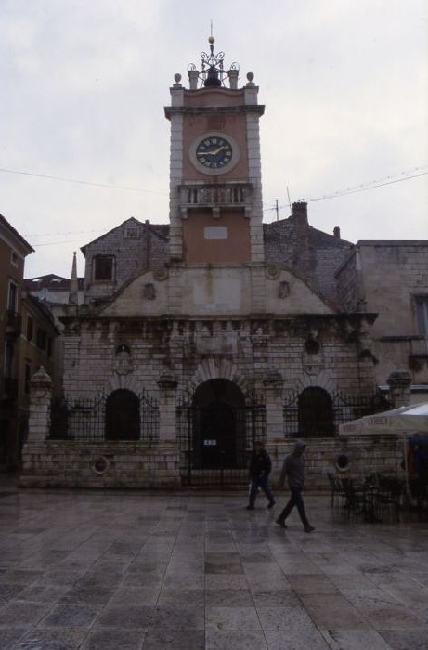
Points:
140	570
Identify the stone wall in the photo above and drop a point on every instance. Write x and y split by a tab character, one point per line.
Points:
366	454
310	253
128	465
91	365
392	273
347	283
70	464
135	247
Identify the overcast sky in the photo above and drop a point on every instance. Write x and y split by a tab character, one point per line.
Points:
345	84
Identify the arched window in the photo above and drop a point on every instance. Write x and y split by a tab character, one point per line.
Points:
315	413
122	416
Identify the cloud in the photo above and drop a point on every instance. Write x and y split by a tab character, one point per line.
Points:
84	85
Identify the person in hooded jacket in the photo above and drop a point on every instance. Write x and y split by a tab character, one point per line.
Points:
260	468
294	469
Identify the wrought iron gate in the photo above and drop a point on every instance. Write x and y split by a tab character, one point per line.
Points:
316	413
215	443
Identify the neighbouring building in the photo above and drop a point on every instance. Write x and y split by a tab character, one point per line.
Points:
390	278
13	251
197	337
54	291
38	347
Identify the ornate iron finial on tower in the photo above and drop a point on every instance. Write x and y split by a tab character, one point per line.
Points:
212	72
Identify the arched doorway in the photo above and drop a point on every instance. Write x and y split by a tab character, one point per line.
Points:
122	416
315	409
218	425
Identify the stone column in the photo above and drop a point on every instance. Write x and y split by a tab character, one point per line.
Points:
40	401
399	388
273	383
167	383
33	455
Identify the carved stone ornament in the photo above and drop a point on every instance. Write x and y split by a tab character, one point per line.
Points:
273	378
272	272
160	274
149	291
100	465
312	363
41	379
167	380
123	362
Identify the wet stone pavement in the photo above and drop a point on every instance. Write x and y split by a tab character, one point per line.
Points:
107	570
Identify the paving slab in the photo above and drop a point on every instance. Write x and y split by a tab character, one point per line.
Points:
146	570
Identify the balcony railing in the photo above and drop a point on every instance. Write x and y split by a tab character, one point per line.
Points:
216	196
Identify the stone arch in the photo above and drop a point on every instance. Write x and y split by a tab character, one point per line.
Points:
321	380
117	381
218	368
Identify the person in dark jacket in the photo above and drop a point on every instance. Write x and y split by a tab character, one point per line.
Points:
294	469
259	472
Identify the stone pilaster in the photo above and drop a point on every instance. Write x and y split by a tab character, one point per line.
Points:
176	174
273	383
399	388
167	385
255	174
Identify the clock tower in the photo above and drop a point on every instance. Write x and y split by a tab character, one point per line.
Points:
215	173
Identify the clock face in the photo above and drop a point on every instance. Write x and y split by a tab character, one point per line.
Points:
214	152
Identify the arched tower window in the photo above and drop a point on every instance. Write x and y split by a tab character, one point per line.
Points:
122	416
315	413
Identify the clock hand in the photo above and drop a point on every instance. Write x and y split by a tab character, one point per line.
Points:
214	152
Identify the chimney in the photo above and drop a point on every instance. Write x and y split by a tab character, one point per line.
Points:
336	232
299	211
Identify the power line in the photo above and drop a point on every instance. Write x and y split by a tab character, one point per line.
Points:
389	180
56	243
73	180
364	188
372	185
71	232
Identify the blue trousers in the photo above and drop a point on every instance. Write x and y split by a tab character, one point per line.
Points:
262	483
296	499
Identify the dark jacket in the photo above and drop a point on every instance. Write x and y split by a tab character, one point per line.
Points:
260	464
294	467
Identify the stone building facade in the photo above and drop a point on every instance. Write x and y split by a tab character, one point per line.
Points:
390	278
13	251
198	337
